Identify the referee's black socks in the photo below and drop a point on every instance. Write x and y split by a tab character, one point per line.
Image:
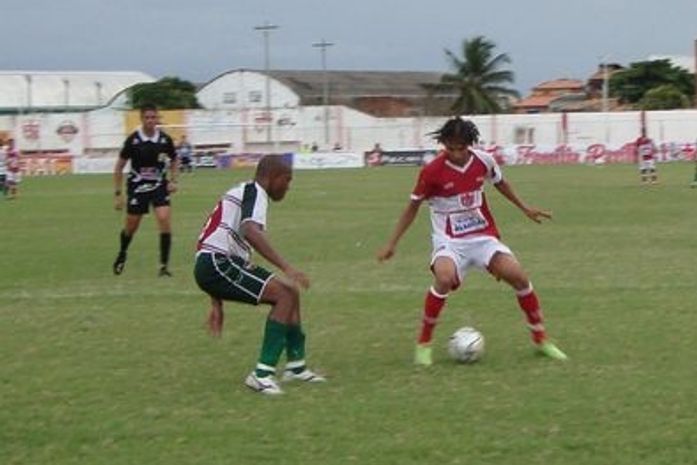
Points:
125	241
165	245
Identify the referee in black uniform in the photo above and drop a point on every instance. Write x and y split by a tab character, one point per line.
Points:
152	154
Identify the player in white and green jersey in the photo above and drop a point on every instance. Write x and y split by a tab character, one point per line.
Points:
223	270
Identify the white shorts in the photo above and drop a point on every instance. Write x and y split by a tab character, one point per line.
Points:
13	177
647	165
476	252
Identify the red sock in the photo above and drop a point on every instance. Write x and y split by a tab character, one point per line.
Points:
527	299
432	306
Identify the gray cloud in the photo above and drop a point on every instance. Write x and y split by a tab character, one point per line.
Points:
197	40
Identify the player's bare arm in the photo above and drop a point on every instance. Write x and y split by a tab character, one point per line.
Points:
257	238
405	220
173	172
533	213
118	183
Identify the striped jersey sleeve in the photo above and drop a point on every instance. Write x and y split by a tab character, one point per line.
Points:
254	205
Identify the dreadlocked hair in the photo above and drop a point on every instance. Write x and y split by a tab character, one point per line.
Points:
457	129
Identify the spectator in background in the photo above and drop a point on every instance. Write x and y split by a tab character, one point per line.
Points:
3	167
372	158
14	173
646	155
693	184
315	147
184	153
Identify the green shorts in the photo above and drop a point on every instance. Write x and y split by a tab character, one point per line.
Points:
230	278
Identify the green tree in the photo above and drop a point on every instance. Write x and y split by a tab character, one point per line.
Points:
478	78
665	97
633	83
169	93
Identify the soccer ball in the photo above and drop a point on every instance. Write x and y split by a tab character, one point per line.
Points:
466	345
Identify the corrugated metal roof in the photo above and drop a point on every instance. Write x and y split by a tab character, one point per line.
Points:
309	85
560	84
64	90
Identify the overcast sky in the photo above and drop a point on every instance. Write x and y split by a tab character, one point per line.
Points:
199	39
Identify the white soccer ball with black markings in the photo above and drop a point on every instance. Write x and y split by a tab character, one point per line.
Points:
466	345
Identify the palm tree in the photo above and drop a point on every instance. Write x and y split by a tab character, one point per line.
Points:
478	78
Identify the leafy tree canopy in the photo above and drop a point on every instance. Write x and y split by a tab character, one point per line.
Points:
665	97
631	85
169	93
479	78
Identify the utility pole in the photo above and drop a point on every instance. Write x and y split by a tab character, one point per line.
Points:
98	87
606	84
695	73
66	94
266	29
28	79
323	45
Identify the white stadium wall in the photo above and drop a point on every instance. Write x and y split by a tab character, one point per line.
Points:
93	138
104	130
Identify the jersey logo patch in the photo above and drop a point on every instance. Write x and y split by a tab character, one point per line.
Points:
470	199
467	222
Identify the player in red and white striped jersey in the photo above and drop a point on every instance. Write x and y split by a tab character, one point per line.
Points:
14	172
646	155
464	232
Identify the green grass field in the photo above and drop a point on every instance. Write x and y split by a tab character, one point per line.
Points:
98	369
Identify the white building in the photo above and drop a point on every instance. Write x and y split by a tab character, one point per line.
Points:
61	91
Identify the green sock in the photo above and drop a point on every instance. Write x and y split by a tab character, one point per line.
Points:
272	347
295	346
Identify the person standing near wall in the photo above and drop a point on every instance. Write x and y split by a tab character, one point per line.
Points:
14	172
693	184
3	167
185	152
646	155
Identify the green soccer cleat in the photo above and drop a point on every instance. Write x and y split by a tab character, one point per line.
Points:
422	355
550	350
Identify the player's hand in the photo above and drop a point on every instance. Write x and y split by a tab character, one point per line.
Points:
297	277
216	318
172	187
537	215
118	202
385	253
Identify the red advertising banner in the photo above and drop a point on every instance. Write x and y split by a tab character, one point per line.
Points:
46	164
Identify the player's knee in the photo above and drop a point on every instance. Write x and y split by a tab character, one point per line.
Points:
445	282
519	282
288	296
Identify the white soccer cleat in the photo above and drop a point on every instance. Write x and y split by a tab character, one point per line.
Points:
266	385
307	376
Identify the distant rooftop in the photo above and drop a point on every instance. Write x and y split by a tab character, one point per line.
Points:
309	84
29	90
